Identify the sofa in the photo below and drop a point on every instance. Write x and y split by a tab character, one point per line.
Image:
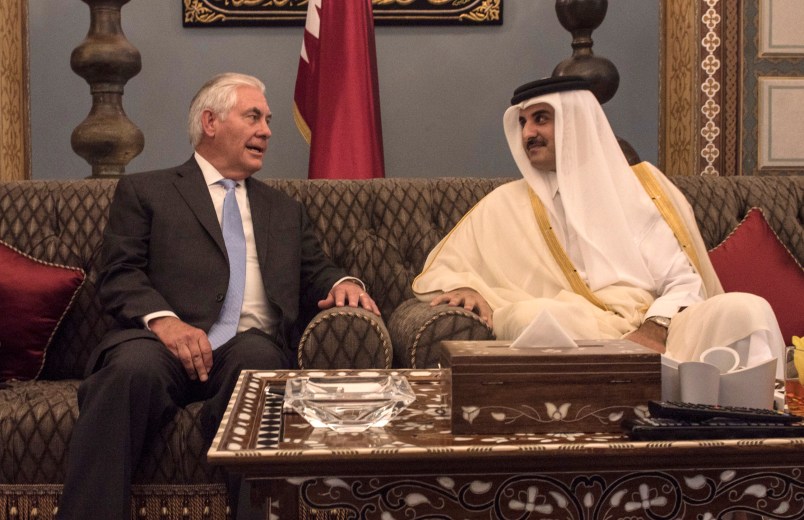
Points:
379	230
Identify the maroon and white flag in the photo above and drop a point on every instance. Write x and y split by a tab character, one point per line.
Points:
337	99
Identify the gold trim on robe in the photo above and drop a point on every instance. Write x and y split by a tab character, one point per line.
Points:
663	204
668	212
558	252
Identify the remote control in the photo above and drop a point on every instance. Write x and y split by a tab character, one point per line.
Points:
693	411
656	428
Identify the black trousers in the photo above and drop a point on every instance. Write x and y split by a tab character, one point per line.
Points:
138	387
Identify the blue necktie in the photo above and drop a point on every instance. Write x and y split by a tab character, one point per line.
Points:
225	327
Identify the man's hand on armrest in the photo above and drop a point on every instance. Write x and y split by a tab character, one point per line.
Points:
469	299
351	294
189	344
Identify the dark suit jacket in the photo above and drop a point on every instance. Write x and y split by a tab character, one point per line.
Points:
163	249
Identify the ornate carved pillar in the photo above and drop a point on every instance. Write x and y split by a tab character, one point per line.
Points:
107	139
580	18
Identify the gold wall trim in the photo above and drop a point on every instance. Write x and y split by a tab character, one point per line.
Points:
701	52
710	67
678	88
15	148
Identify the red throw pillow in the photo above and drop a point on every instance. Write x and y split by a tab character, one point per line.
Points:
752	259
34	297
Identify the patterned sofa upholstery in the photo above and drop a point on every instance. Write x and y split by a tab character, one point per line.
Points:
379	230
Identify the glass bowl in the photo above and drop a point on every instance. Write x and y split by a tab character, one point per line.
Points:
349	403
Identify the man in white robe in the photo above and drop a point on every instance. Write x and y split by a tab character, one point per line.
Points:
607	250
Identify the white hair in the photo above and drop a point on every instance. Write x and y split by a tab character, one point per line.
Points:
218	95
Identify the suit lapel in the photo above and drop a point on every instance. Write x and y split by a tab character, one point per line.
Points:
192	188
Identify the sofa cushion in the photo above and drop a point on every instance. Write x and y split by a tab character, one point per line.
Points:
34	297
752	259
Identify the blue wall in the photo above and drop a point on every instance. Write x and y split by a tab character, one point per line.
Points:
443	89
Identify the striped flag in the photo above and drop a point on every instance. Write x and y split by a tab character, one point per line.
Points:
337	99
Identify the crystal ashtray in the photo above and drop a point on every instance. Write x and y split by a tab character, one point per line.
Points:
349	403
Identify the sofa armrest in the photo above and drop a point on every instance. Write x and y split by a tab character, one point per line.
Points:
417	328
345	337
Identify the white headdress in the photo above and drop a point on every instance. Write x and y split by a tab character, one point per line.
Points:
605	206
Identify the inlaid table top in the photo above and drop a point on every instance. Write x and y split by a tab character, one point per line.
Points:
258	439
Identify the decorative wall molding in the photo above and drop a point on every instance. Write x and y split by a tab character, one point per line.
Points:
780	123
15	139
780	28
699	87
759	70
711	63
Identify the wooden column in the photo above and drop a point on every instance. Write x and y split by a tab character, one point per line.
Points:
106	139
15	132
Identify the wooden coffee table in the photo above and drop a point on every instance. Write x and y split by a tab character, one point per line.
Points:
415	468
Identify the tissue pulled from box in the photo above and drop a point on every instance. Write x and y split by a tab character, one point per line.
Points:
544	332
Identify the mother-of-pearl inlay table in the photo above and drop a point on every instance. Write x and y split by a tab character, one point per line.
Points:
414	468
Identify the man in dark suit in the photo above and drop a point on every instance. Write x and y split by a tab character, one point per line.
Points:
167	282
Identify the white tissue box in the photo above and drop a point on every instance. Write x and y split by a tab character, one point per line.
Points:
591	388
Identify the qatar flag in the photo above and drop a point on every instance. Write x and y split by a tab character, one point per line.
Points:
337	99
